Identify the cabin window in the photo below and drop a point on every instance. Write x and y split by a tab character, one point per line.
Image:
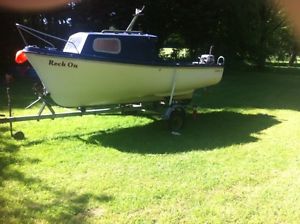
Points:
107	45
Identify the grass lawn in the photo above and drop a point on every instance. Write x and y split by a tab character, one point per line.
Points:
238	161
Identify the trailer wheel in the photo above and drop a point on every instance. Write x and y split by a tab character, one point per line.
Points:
19	135
176	119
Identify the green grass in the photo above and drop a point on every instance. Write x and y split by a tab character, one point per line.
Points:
238	161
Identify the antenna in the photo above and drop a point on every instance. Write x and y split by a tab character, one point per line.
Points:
211	49
138	12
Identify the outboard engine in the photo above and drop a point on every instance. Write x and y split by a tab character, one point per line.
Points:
206	59
209	59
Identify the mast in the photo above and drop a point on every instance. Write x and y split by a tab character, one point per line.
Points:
138	12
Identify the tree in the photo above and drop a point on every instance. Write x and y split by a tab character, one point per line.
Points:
248	30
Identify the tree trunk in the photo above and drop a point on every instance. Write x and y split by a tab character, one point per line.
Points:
294	53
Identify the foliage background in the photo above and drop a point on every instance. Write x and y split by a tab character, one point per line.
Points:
249	31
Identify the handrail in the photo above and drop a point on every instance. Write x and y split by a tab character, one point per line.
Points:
122	31
32	32
221	60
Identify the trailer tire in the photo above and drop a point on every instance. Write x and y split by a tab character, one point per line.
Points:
176	119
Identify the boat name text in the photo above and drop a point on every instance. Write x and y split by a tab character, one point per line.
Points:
67	64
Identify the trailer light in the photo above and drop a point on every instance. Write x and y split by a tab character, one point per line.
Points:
20	57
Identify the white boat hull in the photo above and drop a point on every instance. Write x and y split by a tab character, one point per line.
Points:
74	82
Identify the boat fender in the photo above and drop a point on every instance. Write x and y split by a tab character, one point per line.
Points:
20	57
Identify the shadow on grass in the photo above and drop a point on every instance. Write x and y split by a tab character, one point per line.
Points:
8	157
208	131
66	207
272	89
62	207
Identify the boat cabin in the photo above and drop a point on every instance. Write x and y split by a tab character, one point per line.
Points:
116	45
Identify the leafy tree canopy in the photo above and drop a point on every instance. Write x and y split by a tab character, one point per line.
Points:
248	30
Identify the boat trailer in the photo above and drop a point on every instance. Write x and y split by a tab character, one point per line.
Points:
173	113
